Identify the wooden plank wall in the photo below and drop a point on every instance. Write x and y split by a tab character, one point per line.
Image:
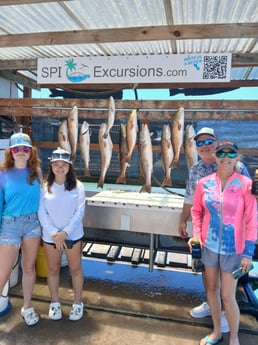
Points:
195	110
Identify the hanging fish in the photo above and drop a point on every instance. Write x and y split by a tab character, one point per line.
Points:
167	154
131	134
106	146
123	152
177	133
146	157
63	139
84	139
72	123
111	116
190	149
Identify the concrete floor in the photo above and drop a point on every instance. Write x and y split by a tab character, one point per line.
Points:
123	305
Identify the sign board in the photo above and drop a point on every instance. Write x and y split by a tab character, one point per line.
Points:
184	68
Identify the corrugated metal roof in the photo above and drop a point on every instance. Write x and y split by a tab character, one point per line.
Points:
61	16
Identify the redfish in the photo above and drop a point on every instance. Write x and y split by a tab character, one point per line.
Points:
177	133
106	146
146	157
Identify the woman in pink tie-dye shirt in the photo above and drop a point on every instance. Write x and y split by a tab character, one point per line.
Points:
224	217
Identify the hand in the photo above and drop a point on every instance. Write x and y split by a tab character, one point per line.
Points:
182	230
59	240
191	240
245	264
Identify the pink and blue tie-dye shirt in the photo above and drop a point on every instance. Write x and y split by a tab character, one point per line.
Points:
226	222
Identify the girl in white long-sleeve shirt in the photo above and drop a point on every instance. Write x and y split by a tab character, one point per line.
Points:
61	211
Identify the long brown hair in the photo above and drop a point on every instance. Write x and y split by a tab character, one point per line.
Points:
33	164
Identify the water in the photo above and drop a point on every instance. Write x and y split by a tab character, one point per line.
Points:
121	272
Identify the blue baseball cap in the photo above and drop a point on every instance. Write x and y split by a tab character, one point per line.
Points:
20	139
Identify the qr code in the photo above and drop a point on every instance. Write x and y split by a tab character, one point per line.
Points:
215	67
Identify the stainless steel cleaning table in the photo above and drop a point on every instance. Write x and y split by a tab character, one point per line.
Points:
154	213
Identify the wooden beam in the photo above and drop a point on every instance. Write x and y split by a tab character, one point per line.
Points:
156	148
132	34
160	105
19	64
191	116
151	110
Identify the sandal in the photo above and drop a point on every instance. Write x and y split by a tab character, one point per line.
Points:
55	312
76	312
208	341
30	317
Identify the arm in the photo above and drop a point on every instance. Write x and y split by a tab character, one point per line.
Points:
197	215
78	215
185	215
1	199
188	201
250	222
251	231
44	217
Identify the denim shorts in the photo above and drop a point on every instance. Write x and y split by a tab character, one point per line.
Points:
14	229
226	263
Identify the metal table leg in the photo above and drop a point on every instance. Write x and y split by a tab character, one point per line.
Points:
151	252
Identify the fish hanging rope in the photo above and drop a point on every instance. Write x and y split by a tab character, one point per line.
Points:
165	188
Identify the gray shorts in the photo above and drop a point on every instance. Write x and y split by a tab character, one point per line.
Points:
14	229
226	263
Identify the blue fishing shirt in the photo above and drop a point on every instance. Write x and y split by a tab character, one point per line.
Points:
17	196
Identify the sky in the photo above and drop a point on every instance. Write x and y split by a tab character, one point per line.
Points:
245	93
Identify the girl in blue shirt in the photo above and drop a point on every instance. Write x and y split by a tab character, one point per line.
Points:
20	227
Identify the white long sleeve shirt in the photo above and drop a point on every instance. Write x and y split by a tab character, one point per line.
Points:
62	210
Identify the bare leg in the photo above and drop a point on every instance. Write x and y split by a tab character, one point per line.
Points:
8	255
29	254
228	288
213	297
54	263
74	262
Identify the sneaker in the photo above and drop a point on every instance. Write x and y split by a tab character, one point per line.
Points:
76	312
55	312
224	327
201	311
30	317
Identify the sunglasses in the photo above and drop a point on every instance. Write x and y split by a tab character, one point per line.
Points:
16	149
222	154
61	156
204	142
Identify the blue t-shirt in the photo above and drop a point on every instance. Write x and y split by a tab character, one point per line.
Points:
17	196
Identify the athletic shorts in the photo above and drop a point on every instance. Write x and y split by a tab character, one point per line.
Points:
14	229
226	263
69	243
